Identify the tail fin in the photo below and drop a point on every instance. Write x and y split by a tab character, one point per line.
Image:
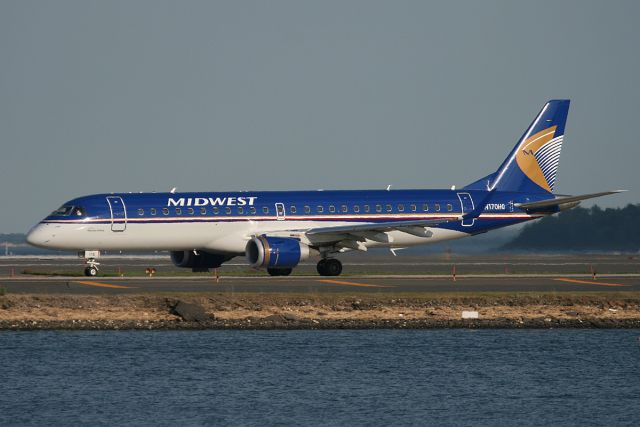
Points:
532	165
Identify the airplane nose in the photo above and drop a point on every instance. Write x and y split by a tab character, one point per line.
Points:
39	236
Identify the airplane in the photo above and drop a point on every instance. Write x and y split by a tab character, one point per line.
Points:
276	230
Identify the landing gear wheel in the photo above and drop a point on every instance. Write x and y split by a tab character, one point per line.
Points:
321	267
329	267
91	271
279	271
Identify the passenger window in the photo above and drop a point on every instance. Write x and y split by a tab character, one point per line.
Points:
356	208
425	207
320	209
389	208
307	209
413	208
190	211
265	209
293	209
366	208
227	210
378	208
203	211
216	211
240	210
140	211
252	210
332	208
437	207
400	208
449	207
165	211
344	209
153	211
178	211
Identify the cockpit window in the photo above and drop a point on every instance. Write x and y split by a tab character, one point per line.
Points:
63	211
68	210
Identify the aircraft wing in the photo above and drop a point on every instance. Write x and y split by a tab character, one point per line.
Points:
561	200
354	236
376	227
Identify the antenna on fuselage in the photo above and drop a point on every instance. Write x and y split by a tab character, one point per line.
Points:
173	190
389	187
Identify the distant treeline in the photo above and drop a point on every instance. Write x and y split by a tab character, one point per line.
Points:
581	229
14	238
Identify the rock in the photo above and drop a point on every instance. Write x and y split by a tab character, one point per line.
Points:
190	312
291	317
273	318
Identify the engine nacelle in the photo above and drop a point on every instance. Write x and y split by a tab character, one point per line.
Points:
276	252
201	262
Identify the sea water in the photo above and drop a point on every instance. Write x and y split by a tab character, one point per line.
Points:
372	377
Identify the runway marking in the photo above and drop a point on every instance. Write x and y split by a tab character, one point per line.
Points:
104	285
363	285
592	282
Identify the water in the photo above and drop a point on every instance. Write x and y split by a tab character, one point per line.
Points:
443	377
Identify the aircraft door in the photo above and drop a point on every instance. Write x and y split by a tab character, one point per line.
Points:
118	213
280	211
466	203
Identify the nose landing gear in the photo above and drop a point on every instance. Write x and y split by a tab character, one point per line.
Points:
90	257
329	267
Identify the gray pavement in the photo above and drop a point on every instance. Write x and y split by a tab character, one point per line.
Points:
371	272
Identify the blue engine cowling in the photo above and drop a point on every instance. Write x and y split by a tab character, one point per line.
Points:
276	252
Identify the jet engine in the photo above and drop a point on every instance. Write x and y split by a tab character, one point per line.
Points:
276	252
200	262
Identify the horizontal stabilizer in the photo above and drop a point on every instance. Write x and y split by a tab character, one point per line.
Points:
560	200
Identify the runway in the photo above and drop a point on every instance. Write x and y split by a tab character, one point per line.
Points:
317	284
363	273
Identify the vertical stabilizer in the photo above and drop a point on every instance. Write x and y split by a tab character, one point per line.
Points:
532	165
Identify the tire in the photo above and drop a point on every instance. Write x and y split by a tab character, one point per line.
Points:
91	271
333	267
321	267
329	267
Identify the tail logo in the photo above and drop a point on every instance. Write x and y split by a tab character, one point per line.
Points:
539	156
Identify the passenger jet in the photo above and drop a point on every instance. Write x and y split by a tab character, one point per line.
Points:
276	230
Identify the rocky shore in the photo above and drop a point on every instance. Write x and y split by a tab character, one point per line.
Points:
259	311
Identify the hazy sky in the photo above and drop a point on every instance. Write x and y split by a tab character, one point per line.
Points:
267	95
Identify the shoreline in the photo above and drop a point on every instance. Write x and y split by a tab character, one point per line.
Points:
331	311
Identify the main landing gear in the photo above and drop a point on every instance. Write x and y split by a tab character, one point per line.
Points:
329	267
90	257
